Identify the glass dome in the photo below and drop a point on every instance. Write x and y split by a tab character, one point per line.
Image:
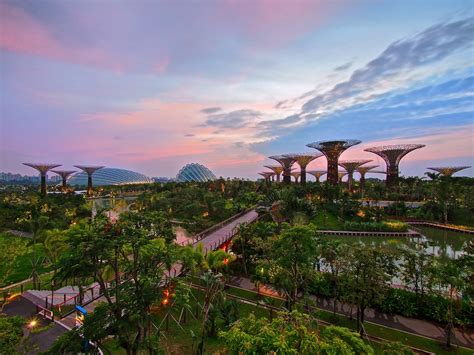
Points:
110	176
194	172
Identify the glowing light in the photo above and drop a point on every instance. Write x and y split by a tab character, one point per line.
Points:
226	261
205	214
165	301
33	323
361	214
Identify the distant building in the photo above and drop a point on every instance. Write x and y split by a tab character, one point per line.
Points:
195	172
110	176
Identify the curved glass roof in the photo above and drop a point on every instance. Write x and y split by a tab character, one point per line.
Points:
110	176
194	172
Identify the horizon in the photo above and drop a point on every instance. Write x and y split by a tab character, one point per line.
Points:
151	87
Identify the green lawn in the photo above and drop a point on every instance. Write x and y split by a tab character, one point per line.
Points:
326	221
15	259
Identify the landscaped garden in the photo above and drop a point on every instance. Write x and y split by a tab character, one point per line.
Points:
315	275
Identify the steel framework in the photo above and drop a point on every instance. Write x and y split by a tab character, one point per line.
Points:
266	175
89	170
351	166
317	174
277	170
296	175
363	170
448	170
43	169
64	175
340	175
286	163
333	150
392	154
303	159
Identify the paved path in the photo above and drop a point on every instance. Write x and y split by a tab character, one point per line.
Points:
411	325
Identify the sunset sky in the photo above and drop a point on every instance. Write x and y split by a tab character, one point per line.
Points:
153	85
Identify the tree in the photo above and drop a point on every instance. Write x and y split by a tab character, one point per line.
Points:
213	290
448	278
367	275
38	222
137	257
290	333
292	260
414	268
334	254
11	333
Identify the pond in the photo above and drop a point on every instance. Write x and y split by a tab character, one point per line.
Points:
438	241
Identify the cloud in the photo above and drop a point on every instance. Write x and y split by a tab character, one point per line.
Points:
210	110
189	135
22	33
431	45
233	119
343	67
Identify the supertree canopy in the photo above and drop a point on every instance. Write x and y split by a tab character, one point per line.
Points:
266	175
296	175
64	175
351	166
286	163
392	154
332	150
43	169
277	169
448	170
303	159
317	174
340	175
362	170
89	170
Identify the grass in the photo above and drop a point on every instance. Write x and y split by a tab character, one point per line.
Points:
15	259
326	221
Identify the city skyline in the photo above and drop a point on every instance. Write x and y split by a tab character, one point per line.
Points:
151	87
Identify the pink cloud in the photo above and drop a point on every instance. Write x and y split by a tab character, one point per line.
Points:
23	34
276	22
162	65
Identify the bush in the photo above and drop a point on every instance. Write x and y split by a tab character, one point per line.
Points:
376	226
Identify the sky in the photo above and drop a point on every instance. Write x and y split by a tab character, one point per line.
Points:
152	85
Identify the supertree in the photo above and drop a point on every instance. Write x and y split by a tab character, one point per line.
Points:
351	166
43	169
333	150
392	154
89	170
277	169
363	170
296	175
266	175
448	170
286	163
303	159
340	175
64	175
317	174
